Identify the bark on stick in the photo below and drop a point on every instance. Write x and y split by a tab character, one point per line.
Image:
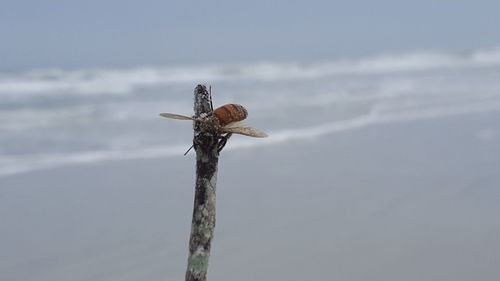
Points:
205	144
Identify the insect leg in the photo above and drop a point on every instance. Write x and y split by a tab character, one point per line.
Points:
189	149
223	141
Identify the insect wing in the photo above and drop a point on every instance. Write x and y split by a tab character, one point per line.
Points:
243	129
175	116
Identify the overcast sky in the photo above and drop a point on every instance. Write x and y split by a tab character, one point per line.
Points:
124	33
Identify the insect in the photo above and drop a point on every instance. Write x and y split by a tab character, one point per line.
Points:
228	120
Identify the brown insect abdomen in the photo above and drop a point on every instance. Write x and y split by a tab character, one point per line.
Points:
230	113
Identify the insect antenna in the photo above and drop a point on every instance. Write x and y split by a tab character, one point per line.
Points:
210	95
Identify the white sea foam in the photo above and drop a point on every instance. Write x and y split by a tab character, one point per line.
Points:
119	81
374	117
15	165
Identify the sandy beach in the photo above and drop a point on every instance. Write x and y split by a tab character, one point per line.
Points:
412	200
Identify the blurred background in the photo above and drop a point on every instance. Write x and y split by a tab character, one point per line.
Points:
381	163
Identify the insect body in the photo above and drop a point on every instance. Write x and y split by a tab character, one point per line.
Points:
228	118
230	113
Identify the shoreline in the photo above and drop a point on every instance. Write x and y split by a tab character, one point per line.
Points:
281	137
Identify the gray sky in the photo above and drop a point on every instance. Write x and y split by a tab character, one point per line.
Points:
121	33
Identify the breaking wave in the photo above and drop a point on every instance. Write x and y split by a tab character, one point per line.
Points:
120	81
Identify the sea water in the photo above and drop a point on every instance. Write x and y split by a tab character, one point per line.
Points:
55	117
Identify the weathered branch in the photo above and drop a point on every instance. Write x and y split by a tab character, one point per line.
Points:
206	146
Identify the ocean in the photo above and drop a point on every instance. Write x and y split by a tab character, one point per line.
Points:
54	117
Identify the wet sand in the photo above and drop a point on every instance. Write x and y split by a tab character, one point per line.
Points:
414	200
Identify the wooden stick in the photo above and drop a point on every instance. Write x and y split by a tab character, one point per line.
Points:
206	146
